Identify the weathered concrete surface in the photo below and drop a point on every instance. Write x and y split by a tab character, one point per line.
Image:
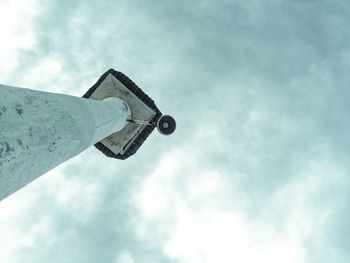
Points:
40	130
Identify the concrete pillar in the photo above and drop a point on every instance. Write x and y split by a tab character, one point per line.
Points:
40	130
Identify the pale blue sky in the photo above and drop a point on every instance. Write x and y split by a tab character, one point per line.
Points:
258	168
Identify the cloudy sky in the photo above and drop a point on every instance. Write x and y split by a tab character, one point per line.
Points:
258	169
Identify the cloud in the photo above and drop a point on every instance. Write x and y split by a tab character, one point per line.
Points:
257	168
198	215
124	257
16	21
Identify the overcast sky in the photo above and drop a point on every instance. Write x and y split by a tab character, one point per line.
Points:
258	169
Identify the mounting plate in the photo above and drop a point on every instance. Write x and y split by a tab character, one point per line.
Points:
126	142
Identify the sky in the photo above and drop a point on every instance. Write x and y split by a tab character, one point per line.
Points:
258	169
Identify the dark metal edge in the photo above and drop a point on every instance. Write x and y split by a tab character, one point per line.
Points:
141	138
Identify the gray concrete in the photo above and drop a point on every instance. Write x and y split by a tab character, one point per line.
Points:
40	130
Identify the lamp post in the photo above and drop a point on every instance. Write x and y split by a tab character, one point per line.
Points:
40	130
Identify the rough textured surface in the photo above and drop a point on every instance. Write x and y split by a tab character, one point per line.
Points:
40	130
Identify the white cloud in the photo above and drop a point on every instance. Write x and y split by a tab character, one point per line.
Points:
13	237
220	236
199	215
44	74
124	256
16	27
